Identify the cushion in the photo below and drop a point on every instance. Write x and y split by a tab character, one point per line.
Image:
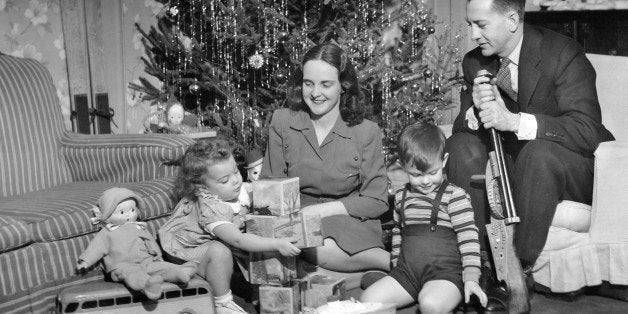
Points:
572	216
13	233
65	210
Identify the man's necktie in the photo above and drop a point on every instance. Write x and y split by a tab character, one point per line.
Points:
503	79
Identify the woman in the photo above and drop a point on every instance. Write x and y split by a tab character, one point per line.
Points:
324	140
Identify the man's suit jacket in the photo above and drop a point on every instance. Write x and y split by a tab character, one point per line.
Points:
556	85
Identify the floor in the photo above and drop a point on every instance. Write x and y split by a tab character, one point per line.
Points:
540	303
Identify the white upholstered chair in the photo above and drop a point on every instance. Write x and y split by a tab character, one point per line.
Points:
588	245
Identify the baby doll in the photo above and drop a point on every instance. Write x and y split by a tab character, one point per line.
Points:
129	251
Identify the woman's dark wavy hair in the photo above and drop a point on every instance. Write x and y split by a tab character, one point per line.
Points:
196	161
420	145
352	101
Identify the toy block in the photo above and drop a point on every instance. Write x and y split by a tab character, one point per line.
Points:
305	228
284	300
320	289
271	268
276	196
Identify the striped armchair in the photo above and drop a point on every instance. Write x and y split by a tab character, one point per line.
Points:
49	180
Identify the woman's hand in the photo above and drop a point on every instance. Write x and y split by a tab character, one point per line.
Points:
285	247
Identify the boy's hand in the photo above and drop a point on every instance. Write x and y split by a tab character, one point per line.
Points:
472	287
285	247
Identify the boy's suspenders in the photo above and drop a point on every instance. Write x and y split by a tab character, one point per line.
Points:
435	205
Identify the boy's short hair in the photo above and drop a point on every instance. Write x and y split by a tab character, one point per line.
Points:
196	160
420	145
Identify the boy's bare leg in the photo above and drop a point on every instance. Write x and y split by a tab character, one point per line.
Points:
439	296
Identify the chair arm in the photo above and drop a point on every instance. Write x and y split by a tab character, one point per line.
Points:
122	157
609	215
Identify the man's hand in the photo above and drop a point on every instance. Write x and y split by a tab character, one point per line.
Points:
492	109
472	287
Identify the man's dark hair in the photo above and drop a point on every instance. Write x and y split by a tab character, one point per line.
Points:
502	6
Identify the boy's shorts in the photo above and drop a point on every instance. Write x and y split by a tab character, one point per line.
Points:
427	256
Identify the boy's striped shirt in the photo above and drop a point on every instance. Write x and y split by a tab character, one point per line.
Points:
455	212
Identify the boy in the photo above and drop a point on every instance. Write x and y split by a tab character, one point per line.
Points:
440	252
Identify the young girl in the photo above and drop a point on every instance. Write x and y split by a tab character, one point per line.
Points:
440	253
207	222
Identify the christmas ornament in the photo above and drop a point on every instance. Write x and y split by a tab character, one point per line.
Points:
428	73
283	35
174	10
281	77
194	88
256	61
431	30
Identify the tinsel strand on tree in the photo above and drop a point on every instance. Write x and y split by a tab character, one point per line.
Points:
228	61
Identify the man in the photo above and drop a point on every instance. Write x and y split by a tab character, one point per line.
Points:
546	109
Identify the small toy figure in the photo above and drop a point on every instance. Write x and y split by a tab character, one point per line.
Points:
129	251
253	160
174	116
253	166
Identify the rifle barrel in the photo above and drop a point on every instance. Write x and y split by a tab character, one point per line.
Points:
510	213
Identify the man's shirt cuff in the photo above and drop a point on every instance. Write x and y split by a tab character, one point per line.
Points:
472	121
527	127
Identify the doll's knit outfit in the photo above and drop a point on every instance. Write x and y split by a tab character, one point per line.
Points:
130	254
435	238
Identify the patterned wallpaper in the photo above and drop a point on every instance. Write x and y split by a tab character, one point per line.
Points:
32	29
35	29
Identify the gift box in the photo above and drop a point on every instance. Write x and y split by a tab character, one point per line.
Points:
271	268
319	289
305	228
284	300
276	196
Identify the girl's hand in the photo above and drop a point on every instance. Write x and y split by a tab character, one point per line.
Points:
472	287
285	247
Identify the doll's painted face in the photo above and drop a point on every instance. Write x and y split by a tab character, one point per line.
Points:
253	173
125	212
175	114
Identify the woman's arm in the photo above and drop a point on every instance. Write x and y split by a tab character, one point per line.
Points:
274	164
372	199
254	243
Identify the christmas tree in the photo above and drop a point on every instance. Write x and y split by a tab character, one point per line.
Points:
228	61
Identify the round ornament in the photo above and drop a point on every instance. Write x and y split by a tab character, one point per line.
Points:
431	30
281	77
256	61
283	35
174	10
194	88
428	73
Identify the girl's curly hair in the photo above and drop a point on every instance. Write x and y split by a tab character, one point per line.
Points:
196	161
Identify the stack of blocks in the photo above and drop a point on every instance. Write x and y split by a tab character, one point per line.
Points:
276	207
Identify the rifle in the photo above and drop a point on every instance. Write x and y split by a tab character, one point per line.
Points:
501	227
